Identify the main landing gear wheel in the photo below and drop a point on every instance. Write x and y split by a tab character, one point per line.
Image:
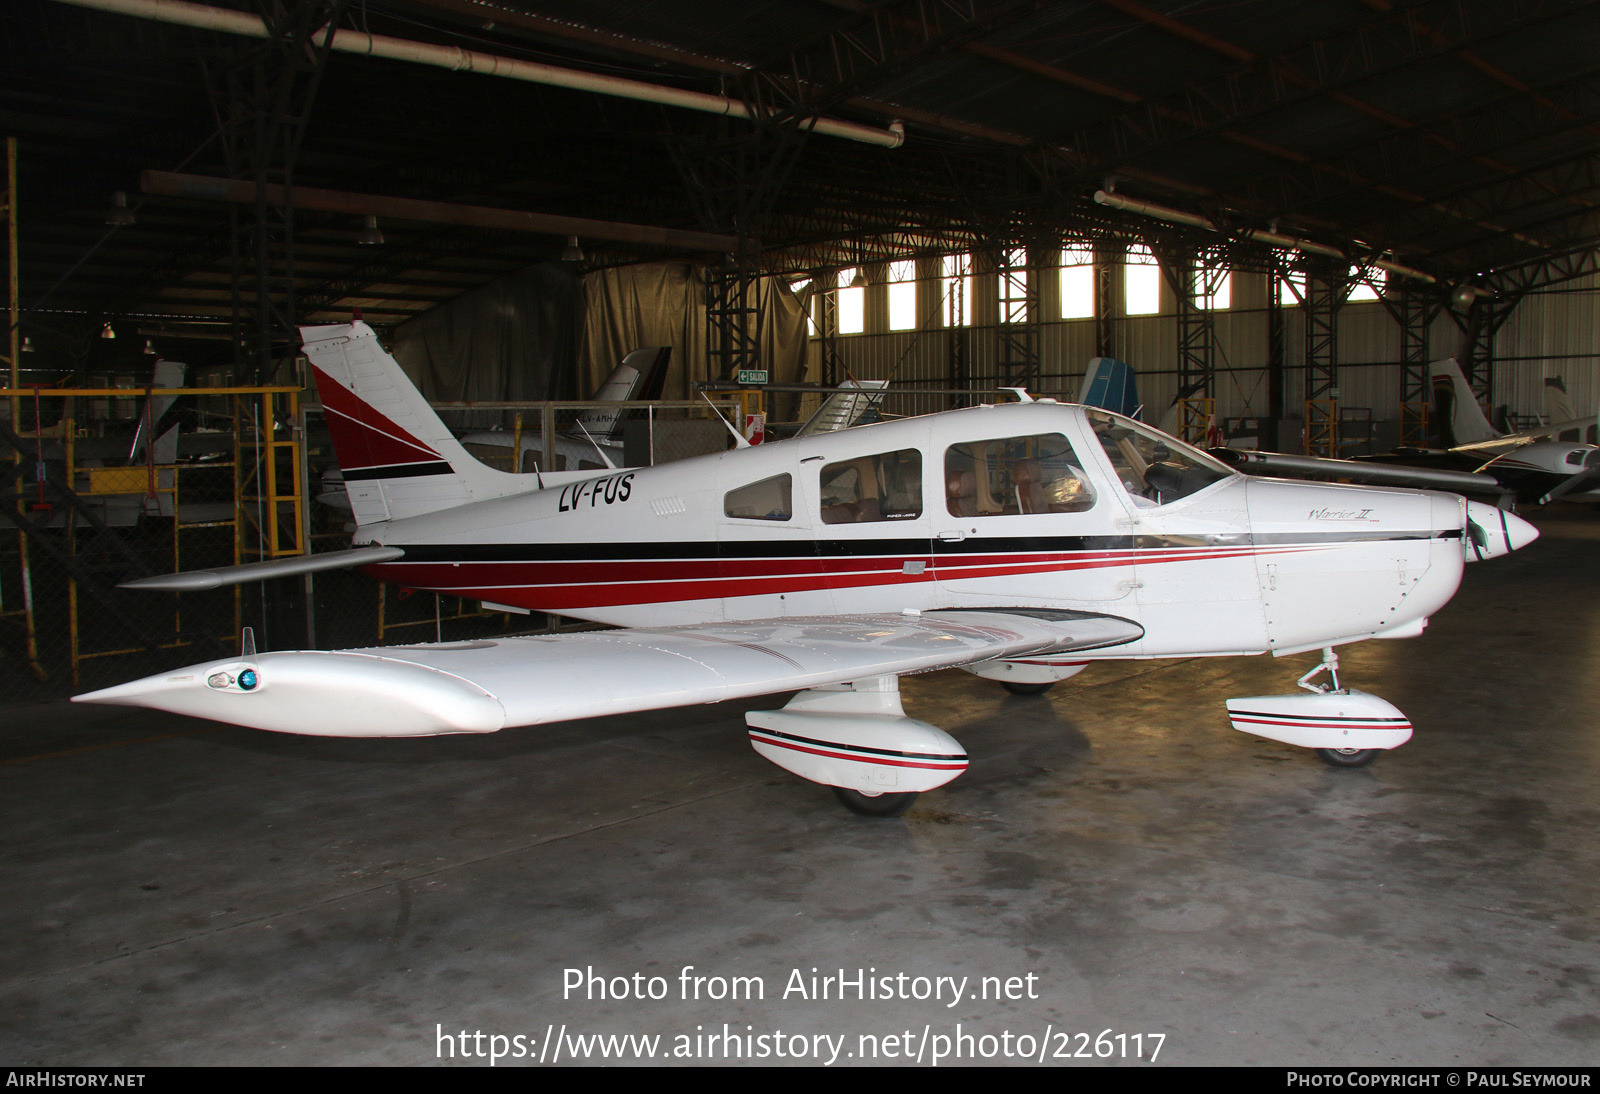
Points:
1348	757
878	805
1026	689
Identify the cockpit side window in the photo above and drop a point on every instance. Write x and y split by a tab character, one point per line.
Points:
1154	468
1015	476
886	486
768	499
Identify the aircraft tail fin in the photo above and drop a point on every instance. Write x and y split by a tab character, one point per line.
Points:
1461	420
641	375
1557	407
399	460
1110	385
166	374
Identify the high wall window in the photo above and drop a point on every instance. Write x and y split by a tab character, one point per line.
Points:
1013	286
1366	284
852	303
956	284
1291	288
798	287
1077	283
903	295
1213	286
1142	282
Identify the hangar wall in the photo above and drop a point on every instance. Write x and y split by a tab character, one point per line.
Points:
1552	332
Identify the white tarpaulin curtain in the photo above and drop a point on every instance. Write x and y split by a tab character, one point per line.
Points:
664	304
514	340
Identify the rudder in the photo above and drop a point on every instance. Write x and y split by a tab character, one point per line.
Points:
399	460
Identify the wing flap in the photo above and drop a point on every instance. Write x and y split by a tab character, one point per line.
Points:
540	679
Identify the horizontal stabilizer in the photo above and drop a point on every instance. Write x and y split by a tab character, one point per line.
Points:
198	580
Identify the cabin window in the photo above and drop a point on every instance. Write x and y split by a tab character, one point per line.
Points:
1015	476
769	499
1153	467
887	486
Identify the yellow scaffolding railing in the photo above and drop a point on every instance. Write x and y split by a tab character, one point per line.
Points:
265	495
1322	427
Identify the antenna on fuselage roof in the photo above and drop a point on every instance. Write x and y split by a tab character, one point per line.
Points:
597	448
739	440
1020	392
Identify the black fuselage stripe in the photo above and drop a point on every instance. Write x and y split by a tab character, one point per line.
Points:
889	752
864	548
398	471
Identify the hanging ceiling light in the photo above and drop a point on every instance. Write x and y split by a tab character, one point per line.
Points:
106	331
572	252
859	281
27	345
119	215
370	235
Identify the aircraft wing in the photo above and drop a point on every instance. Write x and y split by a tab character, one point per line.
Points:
483	686
1382	474
1516	440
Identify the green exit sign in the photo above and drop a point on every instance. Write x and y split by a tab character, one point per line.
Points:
752	376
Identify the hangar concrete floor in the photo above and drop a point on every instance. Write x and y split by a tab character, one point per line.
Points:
182	893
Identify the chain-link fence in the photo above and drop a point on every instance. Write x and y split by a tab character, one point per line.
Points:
252	477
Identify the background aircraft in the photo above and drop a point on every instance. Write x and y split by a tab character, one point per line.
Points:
1526	467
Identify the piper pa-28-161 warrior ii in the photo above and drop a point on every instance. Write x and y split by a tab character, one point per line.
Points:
1018	542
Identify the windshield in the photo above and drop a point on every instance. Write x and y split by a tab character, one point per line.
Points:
1154	468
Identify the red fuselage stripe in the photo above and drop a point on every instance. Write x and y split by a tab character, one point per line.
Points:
1336	723
571	584
880	761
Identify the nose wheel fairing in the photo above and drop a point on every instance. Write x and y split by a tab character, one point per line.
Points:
1340	720
1347	727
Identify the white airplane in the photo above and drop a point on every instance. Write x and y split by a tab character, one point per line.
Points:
1529	467
595	440
1019	542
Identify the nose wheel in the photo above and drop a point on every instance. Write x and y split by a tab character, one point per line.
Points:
875	805
1347	757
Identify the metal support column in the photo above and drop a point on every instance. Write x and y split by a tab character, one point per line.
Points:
263	101
827	298
1415	314
1479	327
1107	297
1017	332
1323	295
734	313
1197	339
1277	356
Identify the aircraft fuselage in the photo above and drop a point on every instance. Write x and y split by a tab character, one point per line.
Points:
1021	505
